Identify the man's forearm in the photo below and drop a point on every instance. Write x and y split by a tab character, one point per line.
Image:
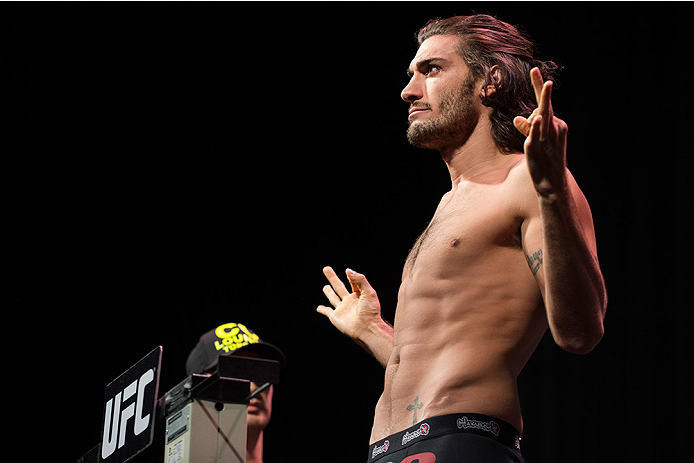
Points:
575	294
377	340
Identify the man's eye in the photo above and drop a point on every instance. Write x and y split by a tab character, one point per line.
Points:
432	69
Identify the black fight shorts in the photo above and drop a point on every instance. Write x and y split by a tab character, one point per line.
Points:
456	438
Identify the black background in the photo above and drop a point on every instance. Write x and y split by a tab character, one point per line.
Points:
168	167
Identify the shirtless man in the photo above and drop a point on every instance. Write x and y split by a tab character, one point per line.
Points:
509	252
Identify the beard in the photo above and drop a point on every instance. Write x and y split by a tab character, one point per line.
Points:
455	124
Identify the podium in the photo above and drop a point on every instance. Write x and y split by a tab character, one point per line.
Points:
201	419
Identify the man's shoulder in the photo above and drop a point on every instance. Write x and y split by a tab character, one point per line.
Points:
519	186
521	191
519	172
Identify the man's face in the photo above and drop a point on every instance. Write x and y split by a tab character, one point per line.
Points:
260	408
441	92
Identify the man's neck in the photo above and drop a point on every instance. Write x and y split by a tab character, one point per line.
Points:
254	447
477	156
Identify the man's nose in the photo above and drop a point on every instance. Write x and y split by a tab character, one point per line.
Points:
413	91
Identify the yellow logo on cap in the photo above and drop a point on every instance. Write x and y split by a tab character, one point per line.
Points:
234	336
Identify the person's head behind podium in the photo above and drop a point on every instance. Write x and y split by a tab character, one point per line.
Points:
237	339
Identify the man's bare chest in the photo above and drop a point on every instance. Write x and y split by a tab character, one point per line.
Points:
465	226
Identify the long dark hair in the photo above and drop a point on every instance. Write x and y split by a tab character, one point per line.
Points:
486	42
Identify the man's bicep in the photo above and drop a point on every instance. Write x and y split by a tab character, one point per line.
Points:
532	232
532	243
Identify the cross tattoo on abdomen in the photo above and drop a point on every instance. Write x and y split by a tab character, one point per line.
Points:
416	406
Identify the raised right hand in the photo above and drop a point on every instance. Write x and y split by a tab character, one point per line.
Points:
353	312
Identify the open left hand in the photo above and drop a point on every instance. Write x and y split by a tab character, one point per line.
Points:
545	145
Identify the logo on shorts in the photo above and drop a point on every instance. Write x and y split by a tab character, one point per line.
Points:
422	431
379	449
491	426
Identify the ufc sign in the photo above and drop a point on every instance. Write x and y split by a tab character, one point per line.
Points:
129	411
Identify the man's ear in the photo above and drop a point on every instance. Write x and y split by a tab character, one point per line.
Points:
494	79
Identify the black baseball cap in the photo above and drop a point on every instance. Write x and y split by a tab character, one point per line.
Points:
229	339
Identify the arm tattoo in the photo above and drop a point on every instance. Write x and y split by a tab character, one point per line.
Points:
534	261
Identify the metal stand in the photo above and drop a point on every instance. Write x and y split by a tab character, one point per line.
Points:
206	420
203	418
206	415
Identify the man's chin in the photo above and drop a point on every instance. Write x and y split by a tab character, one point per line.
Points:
257	420
421	136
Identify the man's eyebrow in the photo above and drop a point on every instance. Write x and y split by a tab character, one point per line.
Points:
424	62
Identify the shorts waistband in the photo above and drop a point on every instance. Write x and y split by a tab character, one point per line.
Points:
472	423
